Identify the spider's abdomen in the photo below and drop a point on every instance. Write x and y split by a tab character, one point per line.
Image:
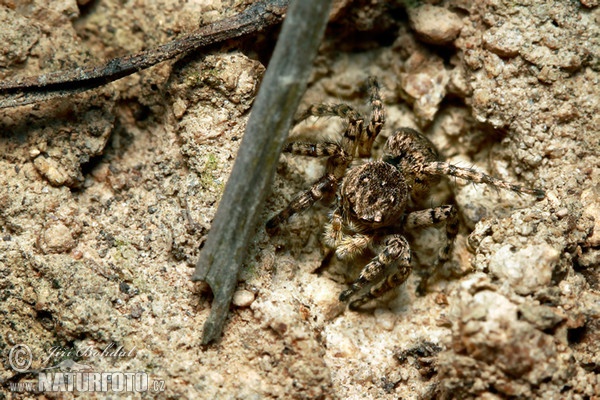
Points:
410	148
374	195
410	151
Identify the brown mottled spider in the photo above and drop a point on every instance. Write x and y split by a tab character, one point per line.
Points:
376	201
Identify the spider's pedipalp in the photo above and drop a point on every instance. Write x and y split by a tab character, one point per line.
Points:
333	230
352	245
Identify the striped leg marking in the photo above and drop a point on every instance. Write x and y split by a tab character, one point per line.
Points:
444	168
326	184
434	216
329	110
313	149
396	252
376	121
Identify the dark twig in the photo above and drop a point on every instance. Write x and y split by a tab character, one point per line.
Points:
54	84
280	92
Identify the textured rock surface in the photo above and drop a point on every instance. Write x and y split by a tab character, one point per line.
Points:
106	198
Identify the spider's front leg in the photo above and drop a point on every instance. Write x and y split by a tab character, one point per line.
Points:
327	184
396	253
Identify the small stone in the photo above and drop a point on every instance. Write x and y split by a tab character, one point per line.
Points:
34	152
51	170
567	112
548	74
57	238
435	25
342	346
242	298
179	108
504	41
425	81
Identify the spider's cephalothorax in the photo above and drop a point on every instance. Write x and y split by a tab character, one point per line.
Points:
376	200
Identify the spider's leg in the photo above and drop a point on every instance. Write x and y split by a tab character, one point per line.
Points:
444	168
434	216
354	131
397	253
370	133
328	183
343	111
353	117
313	149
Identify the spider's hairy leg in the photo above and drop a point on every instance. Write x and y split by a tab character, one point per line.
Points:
434	216
354	130
343	111
397	253
327	184
313	149
444	168
376	121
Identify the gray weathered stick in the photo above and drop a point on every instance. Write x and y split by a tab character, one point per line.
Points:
278	98
62	83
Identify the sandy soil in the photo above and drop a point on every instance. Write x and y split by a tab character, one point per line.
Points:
106	198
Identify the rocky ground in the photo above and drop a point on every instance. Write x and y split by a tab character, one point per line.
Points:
106	198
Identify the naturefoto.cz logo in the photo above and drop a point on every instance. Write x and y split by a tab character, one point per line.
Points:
92	382
70	376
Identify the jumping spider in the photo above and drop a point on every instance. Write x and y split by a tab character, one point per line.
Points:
376	201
